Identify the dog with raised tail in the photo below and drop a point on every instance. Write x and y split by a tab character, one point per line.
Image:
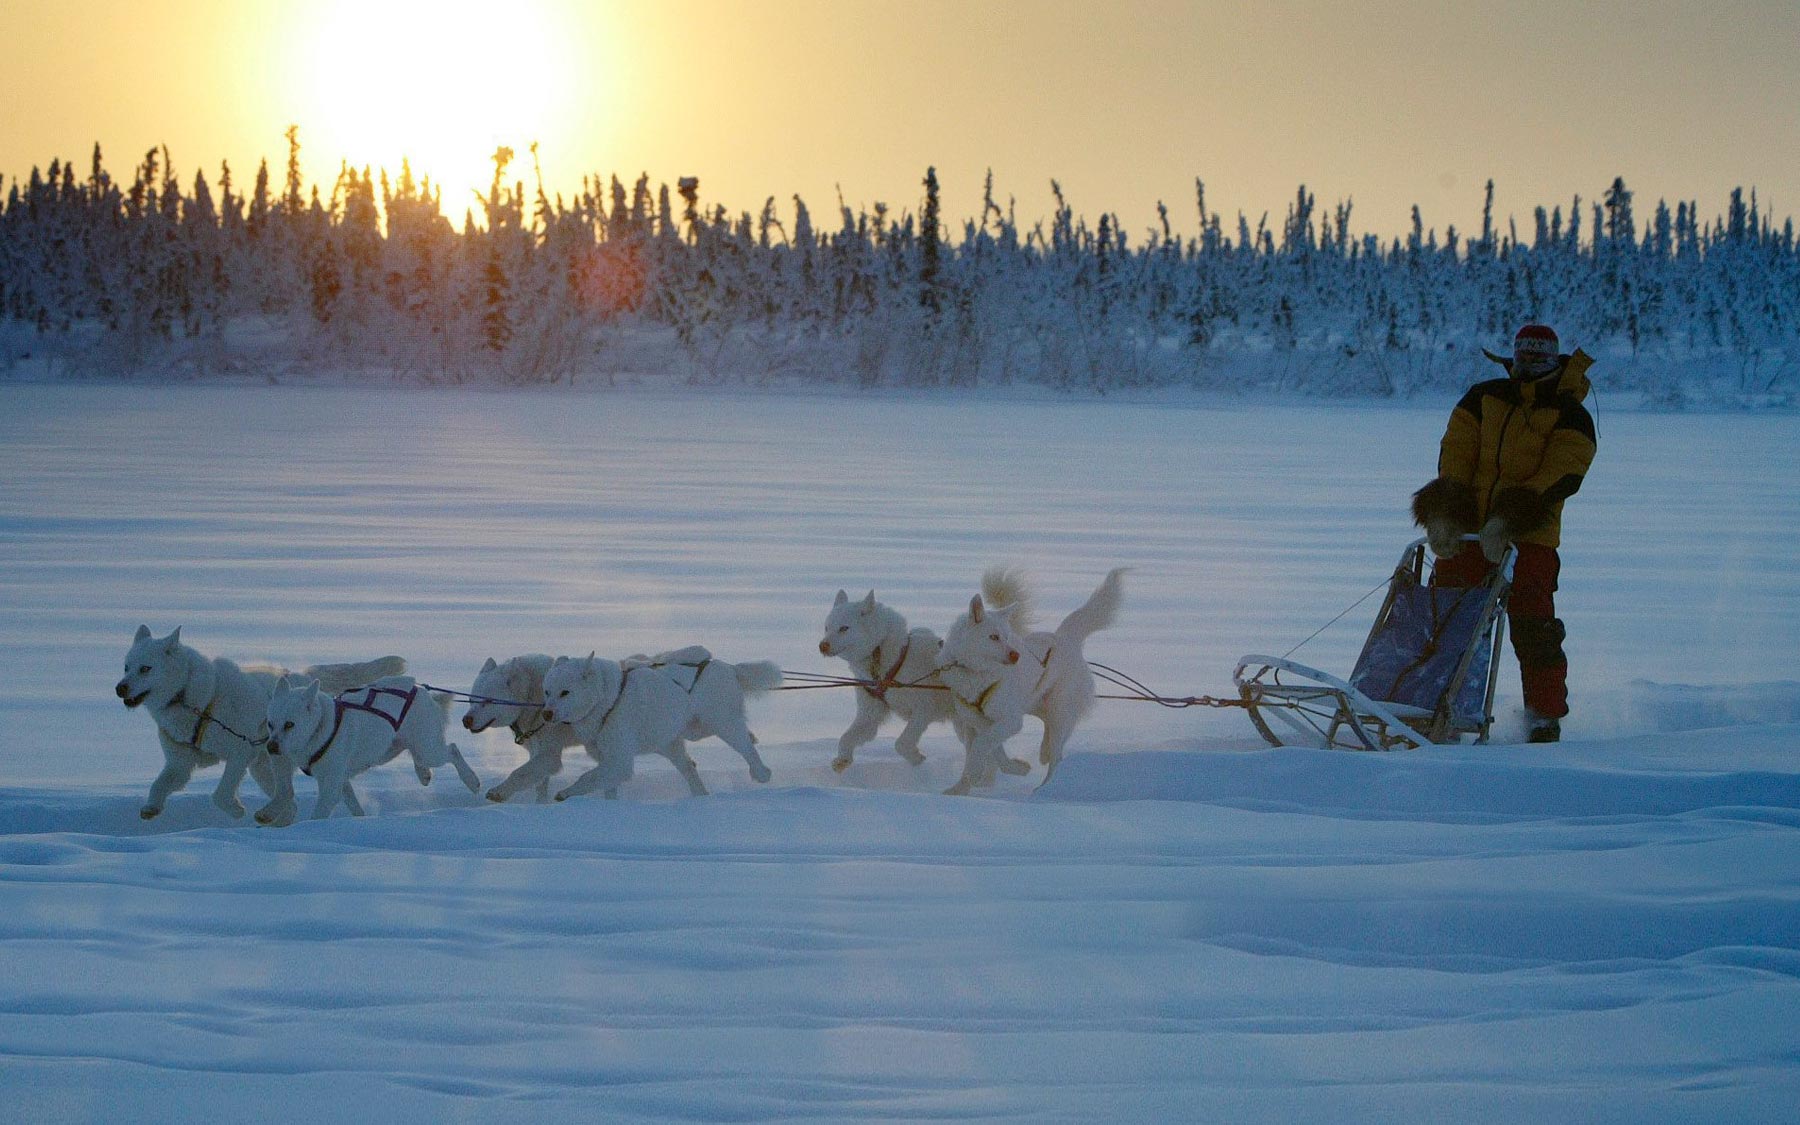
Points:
332	738
209	711
998	674
620	709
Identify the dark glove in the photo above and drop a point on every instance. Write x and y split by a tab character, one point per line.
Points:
1445	508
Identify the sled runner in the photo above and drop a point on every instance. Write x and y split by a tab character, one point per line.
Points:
1426	673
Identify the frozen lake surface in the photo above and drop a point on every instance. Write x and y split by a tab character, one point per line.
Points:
1184	924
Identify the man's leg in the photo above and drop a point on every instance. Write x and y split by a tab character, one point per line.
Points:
1537	637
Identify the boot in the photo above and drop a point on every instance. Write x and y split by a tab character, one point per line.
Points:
1541	729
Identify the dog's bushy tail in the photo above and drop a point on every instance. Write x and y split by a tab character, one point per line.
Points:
758	676
336	678
1006	588
1099	611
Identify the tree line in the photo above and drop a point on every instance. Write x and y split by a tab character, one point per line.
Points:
163	272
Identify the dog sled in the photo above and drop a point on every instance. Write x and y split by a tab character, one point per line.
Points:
1426	672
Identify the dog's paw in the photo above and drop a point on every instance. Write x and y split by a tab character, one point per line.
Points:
497	797
563	796
424	775
913	757
761	773
232	809
1015	766
839	765
960	789
149	812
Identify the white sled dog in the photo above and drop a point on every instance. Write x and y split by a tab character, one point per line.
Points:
512	693
622	709
997	677
334	738
873	639
210	710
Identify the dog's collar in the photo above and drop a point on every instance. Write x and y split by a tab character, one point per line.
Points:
522	736
337	724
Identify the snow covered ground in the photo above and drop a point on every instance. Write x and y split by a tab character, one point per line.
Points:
1184	925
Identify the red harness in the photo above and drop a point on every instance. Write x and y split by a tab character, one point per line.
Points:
880	689
367	703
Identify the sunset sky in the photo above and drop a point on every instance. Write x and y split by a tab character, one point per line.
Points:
1125	102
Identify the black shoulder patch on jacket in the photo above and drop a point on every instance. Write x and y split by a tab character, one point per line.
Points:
1566	486
1576	417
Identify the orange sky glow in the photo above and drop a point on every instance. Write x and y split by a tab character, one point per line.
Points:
1387	103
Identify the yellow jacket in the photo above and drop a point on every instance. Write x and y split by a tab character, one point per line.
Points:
1533	434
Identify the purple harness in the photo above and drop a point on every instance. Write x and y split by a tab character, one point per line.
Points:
367	703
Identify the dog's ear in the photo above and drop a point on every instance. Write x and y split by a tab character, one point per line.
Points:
842	599
489	666
559	660
281	687
174	639
312	692
976	611
868	603
144	630
587	670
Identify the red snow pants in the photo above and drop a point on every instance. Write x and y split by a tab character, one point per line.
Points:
1537	633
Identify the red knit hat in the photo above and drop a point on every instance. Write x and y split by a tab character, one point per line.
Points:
1535	341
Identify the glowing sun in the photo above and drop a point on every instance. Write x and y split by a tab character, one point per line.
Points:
442	83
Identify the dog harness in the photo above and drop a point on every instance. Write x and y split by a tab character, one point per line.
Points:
342	703
890	678
698	668
204	719
980	702
520	735
624	675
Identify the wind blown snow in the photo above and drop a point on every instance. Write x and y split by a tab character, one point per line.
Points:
1184	924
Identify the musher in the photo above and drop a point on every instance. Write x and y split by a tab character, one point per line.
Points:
1515	449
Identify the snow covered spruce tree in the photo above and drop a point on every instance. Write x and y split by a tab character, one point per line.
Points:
368	276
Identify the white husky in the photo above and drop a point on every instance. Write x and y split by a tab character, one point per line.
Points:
513	694
620	710
209	710
997	677
334	738
873	639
